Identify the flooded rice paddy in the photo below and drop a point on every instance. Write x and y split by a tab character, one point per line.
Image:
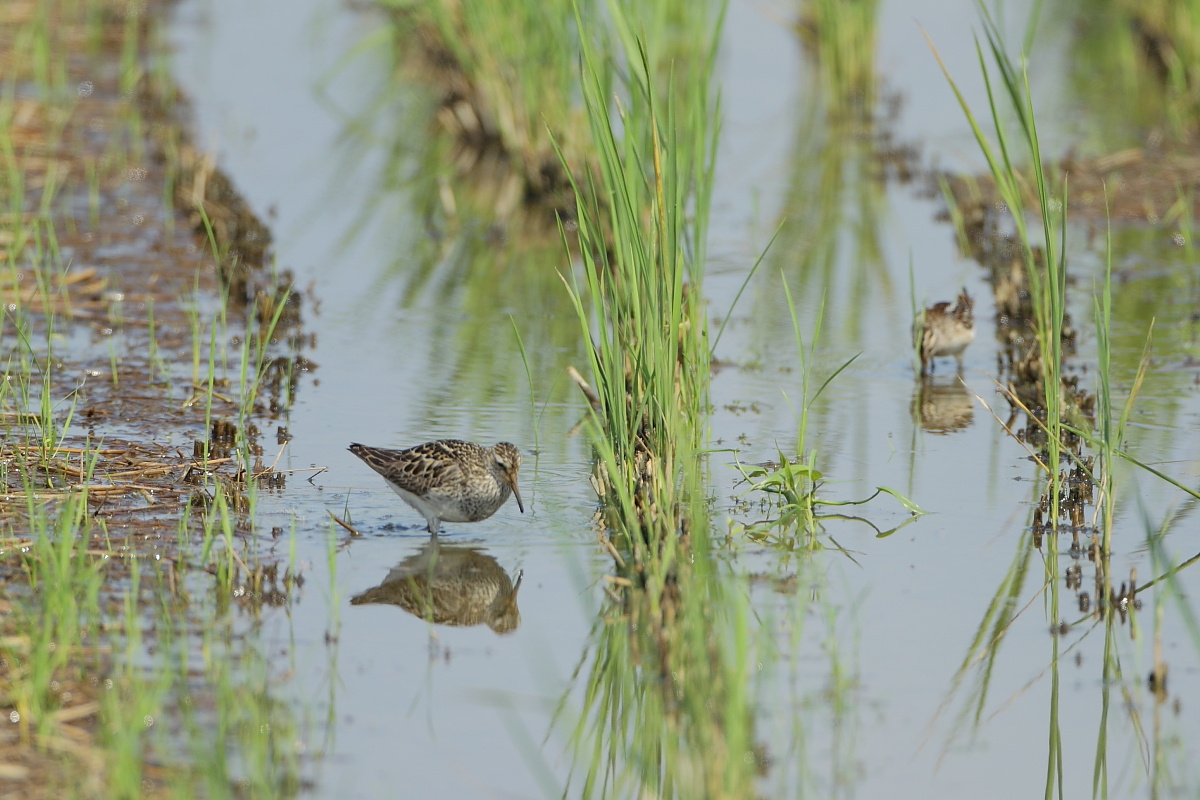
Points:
952	653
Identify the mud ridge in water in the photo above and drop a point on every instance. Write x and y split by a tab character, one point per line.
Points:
1135	184
1139	189
125	244
522	184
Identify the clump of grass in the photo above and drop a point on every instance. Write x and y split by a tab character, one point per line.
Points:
1047	284
64	585
510	81
1169	36
1111	604
510	84
642	261
668	711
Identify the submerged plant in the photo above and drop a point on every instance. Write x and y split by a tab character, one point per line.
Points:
794	483
1166	36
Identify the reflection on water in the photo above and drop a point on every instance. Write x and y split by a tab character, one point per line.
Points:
450	585
669	705
943	405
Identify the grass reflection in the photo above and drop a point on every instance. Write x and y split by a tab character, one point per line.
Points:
829	244
669	691
1131	672
840	35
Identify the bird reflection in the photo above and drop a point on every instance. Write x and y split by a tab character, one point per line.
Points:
943	405
450	585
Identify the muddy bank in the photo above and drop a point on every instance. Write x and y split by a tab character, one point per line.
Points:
151	353
154	262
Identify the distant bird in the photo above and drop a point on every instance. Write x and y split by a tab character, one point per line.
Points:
947	330
449	479
450	585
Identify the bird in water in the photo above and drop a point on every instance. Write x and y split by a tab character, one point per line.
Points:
946	331
449	480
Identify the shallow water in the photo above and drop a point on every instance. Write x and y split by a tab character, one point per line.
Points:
414	341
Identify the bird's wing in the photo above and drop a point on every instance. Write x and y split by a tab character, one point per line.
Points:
426	467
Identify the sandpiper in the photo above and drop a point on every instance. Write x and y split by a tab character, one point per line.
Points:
947	331
448	479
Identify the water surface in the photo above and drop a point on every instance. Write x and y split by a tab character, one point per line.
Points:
415	341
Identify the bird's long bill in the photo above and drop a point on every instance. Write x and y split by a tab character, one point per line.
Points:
512	482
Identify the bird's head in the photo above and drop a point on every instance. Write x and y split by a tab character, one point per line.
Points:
508	461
